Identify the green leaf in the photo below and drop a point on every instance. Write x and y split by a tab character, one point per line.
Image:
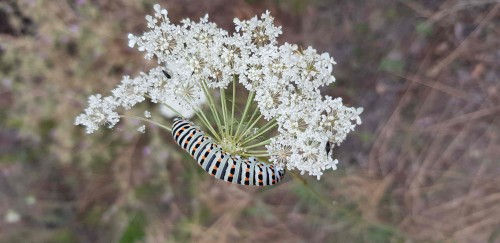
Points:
423	28
392	66
135	228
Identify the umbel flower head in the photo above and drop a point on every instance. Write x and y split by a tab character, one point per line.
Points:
199	62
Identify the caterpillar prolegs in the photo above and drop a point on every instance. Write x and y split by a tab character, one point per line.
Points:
219	163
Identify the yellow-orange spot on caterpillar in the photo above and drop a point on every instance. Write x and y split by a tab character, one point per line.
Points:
234	166
246	179
247	170
260	172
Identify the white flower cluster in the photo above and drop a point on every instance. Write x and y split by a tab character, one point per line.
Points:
285	79
309	128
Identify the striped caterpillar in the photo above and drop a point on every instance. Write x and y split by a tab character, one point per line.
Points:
219	163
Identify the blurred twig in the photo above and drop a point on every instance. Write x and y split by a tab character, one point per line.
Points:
463	118
439	86
456	53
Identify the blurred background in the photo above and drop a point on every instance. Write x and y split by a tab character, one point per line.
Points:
423	167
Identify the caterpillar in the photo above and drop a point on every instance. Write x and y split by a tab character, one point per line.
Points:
220	164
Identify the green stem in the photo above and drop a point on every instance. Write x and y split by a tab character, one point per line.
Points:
255	155
224	109
249	128
169	107
256	151
150	121
247	105
211	104
174	110
232	104
272	123
205	121
265	142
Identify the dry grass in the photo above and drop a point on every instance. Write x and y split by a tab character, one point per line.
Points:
423	167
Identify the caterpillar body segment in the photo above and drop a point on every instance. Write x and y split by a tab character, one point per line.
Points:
220	164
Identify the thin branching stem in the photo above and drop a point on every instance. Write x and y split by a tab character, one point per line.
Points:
224	111
212	106
205	121
169	107
255	155
265	142
174	110
272	123
249	128
232	105
148	120
250	121
256	151
259	153
247	105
